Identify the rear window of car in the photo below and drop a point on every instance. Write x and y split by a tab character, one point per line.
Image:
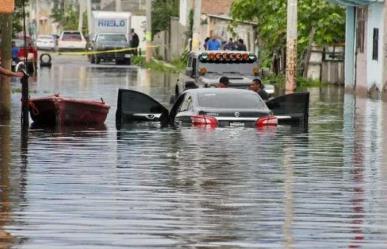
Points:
112	38
231	100
45	37
71	36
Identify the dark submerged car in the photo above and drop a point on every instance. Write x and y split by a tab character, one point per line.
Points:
214	107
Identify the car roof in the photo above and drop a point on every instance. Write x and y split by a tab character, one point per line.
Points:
110	34
218	90
45	36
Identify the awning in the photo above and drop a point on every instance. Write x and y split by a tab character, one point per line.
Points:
355	2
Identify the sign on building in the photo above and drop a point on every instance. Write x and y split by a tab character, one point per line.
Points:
7	6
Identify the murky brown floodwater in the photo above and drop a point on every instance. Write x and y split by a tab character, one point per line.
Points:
189	187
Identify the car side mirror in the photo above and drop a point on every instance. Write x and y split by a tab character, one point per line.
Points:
189	71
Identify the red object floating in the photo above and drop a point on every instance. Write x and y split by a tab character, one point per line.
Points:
57	110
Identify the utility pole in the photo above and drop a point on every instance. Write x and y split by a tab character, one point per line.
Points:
148	35
81	11
118	5
88	7
6	60
291	47
196	26
37	17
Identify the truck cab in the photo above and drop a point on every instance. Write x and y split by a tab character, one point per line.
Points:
204	69
109	47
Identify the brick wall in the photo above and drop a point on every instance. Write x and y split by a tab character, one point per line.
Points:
216	7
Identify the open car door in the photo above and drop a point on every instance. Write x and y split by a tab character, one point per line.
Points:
133	106
290	108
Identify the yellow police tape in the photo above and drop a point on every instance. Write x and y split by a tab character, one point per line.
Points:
102	51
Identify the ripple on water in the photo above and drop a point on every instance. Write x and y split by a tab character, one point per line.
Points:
202	188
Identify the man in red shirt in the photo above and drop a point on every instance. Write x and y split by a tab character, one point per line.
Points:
32	57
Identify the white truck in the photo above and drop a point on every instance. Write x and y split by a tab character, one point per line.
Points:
110	22
109	37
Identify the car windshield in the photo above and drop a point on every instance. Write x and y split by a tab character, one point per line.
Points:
111	38
231	100
71	36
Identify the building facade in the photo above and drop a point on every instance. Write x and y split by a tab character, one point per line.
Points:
366	45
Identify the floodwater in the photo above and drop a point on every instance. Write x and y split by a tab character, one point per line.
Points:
191	187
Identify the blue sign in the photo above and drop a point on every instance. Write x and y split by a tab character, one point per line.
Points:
111	23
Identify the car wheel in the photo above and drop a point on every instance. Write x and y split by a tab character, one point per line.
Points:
127	62
92	59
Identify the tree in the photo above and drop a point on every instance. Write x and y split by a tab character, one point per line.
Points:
68	17
17	20
162	10
319	22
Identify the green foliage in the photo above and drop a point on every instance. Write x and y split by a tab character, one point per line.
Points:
181	62
160	66
326	18
162	10
279	80
17	22
189	32
67	18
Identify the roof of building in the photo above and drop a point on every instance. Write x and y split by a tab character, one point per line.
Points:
355	2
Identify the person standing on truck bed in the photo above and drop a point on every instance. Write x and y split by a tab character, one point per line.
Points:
213	44
134	41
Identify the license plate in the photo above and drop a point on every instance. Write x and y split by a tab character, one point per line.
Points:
237	124
127	56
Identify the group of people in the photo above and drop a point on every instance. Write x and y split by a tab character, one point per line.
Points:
255	86
31	53
216	44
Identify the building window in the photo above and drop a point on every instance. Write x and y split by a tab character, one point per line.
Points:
361	17
375	45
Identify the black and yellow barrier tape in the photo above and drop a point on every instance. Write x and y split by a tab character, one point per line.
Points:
89	52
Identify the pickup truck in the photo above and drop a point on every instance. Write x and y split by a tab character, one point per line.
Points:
205	68
109	47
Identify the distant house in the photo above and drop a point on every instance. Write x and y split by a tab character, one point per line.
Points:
216	20
366	45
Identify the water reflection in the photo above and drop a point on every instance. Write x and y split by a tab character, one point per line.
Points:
6	238
147	187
